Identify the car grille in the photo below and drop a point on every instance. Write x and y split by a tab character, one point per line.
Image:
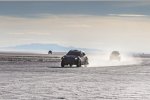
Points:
69	60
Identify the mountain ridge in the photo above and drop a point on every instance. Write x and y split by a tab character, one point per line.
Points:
47	47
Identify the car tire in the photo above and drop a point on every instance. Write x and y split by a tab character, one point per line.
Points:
86	61
79	64
62	64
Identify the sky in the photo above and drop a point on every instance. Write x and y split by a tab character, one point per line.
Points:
105	25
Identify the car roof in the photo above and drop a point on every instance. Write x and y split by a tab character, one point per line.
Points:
76	51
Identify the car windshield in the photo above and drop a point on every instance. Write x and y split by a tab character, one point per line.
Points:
73	53
115	53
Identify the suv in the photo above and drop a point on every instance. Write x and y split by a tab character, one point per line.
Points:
74	57
115	55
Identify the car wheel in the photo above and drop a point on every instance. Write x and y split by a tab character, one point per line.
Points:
79	64
86	61
62	64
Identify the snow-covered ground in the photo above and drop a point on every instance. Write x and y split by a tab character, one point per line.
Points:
47	81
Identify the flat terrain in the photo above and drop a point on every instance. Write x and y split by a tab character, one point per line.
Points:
29	78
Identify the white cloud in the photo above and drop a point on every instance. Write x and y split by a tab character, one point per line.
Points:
128	15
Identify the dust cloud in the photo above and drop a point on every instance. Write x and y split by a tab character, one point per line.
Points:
102	59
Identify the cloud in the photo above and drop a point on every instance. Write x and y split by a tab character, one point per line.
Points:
127	15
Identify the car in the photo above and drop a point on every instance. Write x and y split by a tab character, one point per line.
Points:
50	52
74	57
115	55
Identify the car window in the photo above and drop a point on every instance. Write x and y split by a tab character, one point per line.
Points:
74	53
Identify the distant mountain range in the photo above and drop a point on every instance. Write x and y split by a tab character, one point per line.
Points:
46	47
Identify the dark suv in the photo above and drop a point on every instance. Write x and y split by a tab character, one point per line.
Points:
74	57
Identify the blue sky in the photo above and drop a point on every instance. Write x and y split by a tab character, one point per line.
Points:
109	25
100	8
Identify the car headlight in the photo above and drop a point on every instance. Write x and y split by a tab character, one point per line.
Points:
76	58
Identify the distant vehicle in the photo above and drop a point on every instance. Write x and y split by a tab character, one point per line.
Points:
115	55
49	52
74	57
